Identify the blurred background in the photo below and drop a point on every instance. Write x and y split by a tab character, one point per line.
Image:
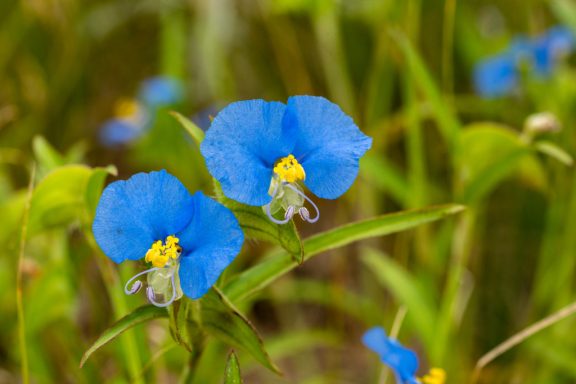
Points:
445	88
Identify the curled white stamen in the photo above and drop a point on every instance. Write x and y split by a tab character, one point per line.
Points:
152	296
130	288
306	214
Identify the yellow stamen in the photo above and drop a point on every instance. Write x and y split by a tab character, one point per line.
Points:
435	376
289	169
160	254
126	108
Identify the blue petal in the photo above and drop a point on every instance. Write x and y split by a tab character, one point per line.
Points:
209	243
496	76
132	214
161	91
117	132
561	40
403	361
329	144
242	145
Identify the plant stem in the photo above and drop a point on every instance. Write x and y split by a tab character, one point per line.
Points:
521	336
19	302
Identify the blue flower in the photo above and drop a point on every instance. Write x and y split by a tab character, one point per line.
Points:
550	47
161	91
402	361
500	75
188	239
260	151
130	121
496	76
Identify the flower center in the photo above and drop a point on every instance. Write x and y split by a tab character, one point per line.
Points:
288	169
435	376
126	108
160	254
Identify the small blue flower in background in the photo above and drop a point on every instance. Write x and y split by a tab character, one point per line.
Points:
402	361
133	117
500	75
160	91
188	239
496	76
260	151
130	121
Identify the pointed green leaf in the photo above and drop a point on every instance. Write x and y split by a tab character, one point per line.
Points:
405	288
261	275
555	152
139	315
490	153
66	195
195	132
222	320
48	158
232	374
257	225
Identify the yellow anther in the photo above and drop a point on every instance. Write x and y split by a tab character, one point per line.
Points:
289	169
160	254
126	108
435	376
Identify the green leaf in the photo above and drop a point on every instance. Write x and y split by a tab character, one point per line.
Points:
48	158
377	170
490	153
257	225
222	320
405	288
554	152
232	374
139	315
179	325
261	275
195	132
445	117
66	195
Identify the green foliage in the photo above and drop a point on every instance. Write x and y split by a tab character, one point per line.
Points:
232	374
138	316
253	280
66	195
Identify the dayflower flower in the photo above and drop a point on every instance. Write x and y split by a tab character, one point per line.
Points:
187	239
160	91
500	75
402	361
132	117
261	152
129	122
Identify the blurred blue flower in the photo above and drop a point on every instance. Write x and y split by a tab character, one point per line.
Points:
130	121
161	91
260	151
188	239
496	76
132	117
499	75
402	361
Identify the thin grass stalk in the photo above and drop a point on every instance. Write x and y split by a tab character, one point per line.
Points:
19	299
520	337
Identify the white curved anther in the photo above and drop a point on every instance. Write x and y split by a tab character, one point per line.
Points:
152	296
130	288
305	215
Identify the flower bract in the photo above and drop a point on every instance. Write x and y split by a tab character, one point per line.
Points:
187	239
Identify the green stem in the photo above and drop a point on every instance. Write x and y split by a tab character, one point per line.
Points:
448	47
461	249
119	309
19	301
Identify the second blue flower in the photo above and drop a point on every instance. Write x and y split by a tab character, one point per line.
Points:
261	151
